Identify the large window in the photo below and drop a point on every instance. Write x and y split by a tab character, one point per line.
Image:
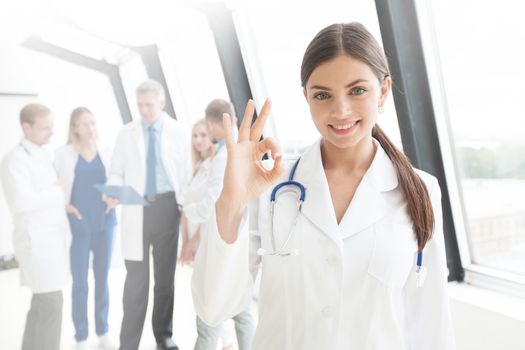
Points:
482	53
191	63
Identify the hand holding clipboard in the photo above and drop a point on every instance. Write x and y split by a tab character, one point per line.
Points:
125	195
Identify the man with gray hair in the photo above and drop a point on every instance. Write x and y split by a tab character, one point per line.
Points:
152	155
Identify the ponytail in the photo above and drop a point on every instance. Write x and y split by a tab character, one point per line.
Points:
418	205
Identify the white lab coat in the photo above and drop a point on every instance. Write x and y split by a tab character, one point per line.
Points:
199	206
41	231
352	285
66	158
128	167
197	189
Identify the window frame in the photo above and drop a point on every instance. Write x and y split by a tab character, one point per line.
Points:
474	274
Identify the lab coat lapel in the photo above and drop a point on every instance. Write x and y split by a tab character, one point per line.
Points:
165	152
35	151
317	207
369	204
165	143
138	136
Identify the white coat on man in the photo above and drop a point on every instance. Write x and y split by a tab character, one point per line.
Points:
128	167
41	236
352	285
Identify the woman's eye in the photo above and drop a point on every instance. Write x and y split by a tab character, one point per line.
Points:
321	96
358	91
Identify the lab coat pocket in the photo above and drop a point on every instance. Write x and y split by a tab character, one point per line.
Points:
393	253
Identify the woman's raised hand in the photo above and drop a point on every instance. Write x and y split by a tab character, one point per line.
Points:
245	177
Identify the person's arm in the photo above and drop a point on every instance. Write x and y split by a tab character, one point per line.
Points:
189	249
195	239
61	166
116	169
222	281
427	307
202	210
16	180
185	255
184	228
186	168
117	164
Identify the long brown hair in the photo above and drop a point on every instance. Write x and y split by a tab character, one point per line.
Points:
354	39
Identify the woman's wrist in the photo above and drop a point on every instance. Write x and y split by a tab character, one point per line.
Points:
229	213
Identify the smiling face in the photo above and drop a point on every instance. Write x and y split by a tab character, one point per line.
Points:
201	139
344	96
85	127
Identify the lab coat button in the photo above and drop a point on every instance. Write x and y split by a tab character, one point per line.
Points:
328	311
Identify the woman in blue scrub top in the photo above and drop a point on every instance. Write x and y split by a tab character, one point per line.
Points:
81	165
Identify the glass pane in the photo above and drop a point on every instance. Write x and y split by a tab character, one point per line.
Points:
191	64
73	37
483	84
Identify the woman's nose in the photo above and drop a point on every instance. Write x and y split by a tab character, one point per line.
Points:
342	107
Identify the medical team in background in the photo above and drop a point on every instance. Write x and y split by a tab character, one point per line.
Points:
343	237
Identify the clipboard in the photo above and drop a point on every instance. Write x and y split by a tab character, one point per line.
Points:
126	195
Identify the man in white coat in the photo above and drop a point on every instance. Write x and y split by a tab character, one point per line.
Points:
202	211
37	202
152	155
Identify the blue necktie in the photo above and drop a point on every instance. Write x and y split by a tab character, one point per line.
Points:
151	164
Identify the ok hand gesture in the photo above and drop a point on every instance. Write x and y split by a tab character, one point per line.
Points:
245	177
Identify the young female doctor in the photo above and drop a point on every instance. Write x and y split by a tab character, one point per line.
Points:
345	234
81	164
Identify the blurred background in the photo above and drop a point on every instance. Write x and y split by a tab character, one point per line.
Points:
456	109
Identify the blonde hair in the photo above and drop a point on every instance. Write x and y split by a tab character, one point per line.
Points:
196	157
73	120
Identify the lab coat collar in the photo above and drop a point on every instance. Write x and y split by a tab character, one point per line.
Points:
163	123
137	130
34	149
367	206
157	124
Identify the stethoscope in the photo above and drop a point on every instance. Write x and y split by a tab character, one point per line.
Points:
293	186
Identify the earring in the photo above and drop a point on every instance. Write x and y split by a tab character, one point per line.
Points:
380	109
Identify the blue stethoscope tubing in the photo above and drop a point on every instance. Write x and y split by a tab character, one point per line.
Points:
302	197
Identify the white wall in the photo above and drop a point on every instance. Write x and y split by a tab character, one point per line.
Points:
486	320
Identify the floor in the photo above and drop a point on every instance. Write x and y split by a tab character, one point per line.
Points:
14	303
